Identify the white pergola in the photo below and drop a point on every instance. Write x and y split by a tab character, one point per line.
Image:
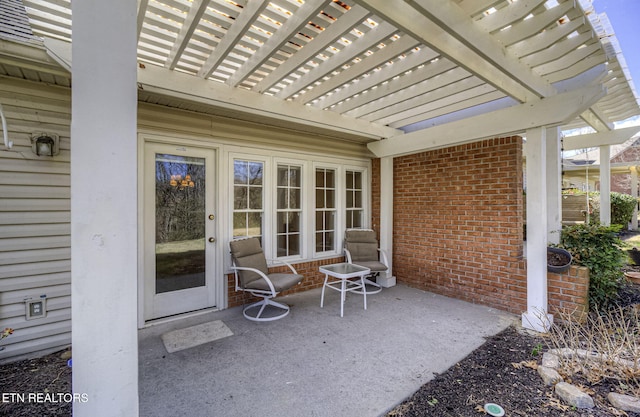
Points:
399	76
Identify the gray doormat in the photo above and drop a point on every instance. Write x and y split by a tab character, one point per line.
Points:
189	337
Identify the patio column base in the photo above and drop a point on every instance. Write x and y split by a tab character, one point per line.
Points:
537	321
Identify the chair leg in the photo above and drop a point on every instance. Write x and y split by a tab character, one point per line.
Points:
367	281
263	305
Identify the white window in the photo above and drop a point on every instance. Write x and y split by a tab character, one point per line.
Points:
354	200
325	224
289	210
248	198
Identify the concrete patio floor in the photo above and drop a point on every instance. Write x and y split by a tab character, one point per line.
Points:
313	362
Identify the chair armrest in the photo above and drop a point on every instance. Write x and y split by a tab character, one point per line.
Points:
348	255
257	271
275	262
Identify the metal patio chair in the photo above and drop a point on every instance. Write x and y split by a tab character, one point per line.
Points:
361	248
252	276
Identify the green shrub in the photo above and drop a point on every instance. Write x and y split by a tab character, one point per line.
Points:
597	248
622	206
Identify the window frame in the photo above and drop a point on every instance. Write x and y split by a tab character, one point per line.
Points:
338	202
308	164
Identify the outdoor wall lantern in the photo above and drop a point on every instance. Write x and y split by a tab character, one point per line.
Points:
45	144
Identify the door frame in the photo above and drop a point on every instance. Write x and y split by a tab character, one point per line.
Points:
219	287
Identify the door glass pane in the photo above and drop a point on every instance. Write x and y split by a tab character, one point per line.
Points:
180	222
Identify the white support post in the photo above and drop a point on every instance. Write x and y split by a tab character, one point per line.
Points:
536	317
634	192
104	208
386	210
605	185
554	185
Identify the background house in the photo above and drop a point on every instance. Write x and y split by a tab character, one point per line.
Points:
299	119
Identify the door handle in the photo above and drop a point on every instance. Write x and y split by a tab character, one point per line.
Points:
212	240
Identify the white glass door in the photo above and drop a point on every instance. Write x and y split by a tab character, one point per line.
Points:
179	234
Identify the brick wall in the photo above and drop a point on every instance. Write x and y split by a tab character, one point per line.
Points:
312	279
458	222
458	227
568	292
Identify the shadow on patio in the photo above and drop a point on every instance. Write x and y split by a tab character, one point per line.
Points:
312	362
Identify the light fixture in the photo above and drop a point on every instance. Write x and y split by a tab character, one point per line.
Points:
45	144
181	183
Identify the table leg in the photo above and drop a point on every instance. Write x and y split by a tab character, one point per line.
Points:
364	291
326	277
343	295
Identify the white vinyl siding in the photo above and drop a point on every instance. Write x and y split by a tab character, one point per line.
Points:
35	252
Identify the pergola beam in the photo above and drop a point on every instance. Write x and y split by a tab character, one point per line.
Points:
293	25
445	27
244	21
175	84
551	111
591	140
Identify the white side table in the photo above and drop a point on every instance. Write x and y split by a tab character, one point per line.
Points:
344	272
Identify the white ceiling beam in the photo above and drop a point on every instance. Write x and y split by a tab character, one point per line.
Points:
558	50
508	15
293	25
475	97
384	80
474	7
591	140
448	29
551	111
434	88
322	41
381	33
236	31
198	7
388	53
578	68
188	87
544	40
142	11
597	119
567	60
536	24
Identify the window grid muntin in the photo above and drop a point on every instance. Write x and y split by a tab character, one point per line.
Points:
248	198
289	210
326	210
354	202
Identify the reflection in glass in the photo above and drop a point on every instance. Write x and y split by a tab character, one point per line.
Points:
180	222
247	198
288	200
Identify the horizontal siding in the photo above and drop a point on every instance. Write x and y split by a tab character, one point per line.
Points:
40	242
32	203
33	230
35	216
27	282
35	268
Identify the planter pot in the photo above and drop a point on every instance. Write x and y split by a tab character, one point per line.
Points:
632	276
635	255
558	260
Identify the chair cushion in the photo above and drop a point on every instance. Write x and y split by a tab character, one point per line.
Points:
280	282
374	266
247	253
363	251
362	244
